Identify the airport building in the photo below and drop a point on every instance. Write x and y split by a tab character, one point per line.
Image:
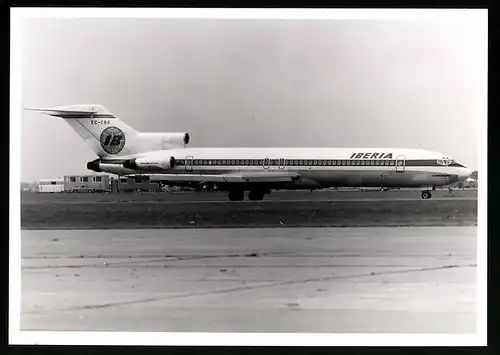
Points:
97	183
50	185
134	183
86	183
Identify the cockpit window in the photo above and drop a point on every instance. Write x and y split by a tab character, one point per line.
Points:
445	161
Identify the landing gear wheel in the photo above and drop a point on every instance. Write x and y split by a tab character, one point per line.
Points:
256	195
426	195
236	195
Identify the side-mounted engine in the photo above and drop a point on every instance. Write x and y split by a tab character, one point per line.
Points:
150	163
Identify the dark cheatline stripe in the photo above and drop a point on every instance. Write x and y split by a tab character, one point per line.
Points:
430	162
88	115
306	162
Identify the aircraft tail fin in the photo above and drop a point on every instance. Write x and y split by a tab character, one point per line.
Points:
106	134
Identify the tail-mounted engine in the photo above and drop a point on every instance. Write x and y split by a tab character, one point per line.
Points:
129	166
150	164
174	139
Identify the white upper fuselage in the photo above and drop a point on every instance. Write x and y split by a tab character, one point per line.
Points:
317	167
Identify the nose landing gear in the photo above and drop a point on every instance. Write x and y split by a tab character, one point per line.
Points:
426	194
253	195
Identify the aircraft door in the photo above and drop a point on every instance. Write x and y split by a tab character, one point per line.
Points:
400	163
266	163
189	163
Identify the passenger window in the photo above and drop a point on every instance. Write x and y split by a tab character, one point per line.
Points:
329	162
392	162
348	162
343	162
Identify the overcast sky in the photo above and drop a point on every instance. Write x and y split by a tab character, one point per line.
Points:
332	83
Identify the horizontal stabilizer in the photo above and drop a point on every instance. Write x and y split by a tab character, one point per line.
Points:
77	111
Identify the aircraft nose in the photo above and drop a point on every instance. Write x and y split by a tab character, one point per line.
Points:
464	173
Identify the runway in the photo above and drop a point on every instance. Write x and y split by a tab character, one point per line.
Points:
396	280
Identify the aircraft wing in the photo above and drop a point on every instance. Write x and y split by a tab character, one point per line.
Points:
243	177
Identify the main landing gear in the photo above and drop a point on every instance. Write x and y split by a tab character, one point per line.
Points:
426	194
236	195
256	195
239	195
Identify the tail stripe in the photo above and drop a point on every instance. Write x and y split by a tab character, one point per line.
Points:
85	128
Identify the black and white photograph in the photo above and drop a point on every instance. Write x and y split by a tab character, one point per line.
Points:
248	176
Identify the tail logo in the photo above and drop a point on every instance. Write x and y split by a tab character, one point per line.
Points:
112	140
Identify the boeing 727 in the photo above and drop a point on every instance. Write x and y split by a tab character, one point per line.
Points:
121	150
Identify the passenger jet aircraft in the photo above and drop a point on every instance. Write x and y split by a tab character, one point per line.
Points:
165	157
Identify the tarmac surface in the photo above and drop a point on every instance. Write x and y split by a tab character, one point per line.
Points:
280	209
281	196
393	280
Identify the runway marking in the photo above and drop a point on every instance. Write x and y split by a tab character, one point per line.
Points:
332	253
257	286
252	202
173	259
154	260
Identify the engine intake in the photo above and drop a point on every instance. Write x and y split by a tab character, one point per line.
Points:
94	165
